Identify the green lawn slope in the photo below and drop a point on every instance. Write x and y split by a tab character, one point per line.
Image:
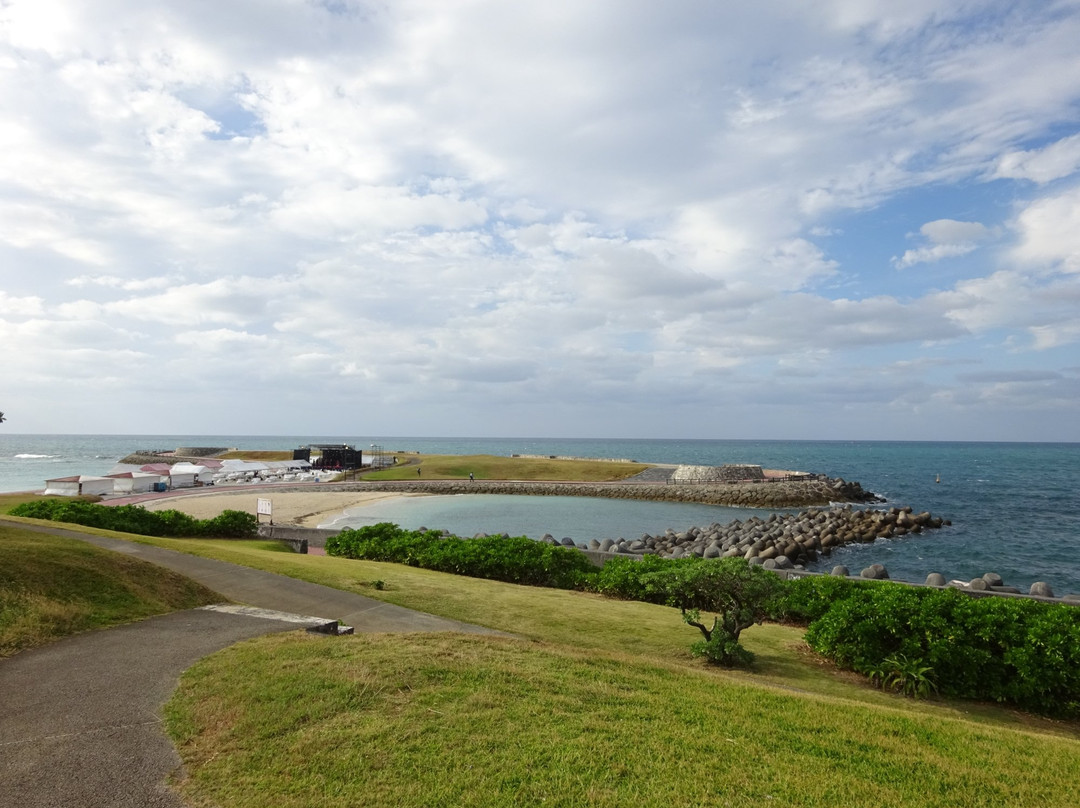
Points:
51	587
445	720
598	703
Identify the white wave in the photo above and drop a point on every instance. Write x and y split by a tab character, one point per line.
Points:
32	456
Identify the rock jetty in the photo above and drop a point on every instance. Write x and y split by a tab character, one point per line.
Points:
781	541
813	490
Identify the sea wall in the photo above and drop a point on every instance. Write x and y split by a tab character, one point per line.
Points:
730	473
299	538
201	451
763	494
184	454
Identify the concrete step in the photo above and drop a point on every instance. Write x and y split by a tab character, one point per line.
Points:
331	627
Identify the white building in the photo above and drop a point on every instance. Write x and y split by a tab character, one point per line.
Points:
135	482
80	485
185	475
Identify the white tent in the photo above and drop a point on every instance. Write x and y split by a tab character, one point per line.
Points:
63	486
81	485
181	473
134	482
243	466
181	479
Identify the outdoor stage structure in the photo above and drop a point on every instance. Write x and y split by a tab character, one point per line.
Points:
338	456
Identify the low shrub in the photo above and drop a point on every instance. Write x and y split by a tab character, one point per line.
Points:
518	560
807	598
138	520
231	525
1018	651
627	578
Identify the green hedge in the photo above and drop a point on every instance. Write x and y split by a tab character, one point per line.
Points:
518	560
1018	651
628	578
136	519
805	599
1010	650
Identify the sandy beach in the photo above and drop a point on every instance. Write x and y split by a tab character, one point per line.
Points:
301	508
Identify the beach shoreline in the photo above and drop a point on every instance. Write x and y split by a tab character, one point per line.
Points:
292	507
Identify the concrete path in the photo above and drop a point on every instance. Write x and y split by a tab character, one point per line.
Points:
79	719
268	590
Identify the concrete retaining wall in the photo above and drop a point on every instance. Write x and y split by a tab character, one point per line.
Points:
299	538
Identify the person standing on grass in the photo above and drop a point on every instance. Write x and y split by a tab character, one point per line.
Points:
471	478
417	471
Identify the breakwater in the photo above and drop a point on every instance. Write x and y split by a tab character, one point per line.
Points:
782	541
183	454
815	491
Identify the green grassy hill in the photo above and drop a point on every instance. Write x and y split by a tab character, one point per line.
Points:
598	703
51	587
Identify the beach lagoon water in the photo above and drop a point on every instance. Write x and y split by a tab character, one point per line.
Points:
1015	507
579	518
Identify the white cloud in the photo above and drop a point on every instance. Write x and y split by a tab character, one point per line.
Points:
552	207
1060	159
950	231
929	255
948	239
1049	232
115	282
11	305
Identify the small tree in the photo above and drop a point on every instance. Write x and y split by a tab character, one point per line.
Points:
735	592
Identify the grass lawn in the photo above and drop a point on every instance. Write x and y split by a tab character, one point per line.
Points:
51	587
260	455
597	704
491	467
589	621
450	720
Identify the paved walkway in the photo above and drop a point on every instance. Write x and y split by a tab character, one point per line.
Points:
79	719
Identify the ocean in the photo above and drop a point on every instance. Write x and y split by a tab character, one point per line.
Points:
1015	507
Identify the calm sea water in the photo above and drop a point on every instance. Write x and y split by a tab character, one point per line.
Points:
1015	507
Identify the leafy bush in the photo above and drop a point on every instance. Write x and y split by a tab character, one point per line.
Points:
232	525
517	559
136	519
1001	649
626	578
807	598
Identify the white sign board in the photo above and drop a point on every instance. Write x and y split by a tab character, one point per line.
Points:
263	508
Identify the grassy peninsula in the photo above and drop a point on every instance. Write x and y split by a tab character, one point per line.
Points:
493	467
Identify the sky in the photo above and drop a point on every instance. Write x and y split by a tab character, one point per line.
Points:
847	219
